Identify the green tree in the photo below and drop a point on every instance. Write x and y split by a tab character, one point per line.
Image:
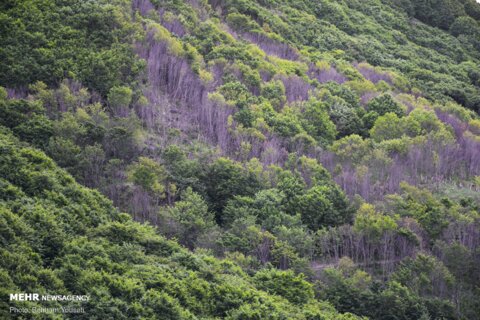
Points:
292	186
421	205
274	92
346	120
119	98
225	179
235	92
27	119
286	284
316	121
352	147
148	174
465	25
384	104
439	13
316	209
324	205
390	126
424	275
188	219
373	223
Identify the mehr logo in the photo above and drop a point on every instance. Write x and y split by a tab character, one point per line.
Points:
24	297
46	297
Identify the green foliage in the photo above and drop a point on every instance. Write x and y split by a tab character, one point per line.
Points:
120	97
323	206
225	179
421	205
274	92
292	187
234	91
241	22
181	171
27	120
83	41
390	126
465	25
287	123
188	219
418	122
343	92
385	104
353	291
351	147
444	15
3	94
147	174
317	123
424	275
346	119
373	223
292	287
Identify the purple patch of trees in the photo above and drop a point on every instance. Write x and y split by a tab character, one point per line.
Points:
272	47
367	96
325	75
172	25
373	75
143	6
384	251
296	88
430	163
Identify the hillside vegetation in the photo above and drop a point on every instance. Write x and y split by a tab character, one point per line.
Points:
277	159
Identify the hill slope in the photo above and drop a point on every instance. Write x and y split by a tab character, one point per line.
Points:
319	150
60	238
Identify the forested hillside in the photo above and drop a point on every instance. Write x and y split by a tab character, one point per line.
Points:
276	159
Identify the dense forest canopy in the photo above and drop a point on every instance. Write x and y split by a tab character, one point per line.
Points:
275	159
